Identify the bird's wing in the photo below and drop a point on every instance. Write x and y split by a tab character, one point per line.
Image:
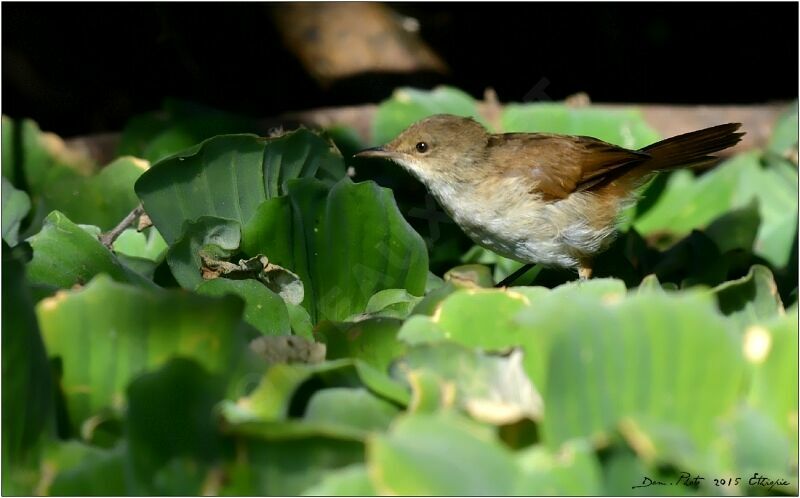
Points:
562	164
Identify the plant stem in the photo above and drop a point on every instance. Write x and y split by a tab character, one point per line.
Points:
108	238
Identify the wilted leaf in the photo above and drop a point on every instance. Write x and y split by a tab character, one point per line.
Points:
205	236
492	389
288	349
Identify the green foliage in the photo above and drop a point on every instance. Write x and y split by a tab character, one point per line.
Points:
65	254
16	205
279	331
625	128
408	105
178	126
346	243
131	330
694	203
231	176
27	385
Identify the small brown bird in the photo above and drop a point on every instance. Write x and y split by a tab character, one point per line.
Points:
539	197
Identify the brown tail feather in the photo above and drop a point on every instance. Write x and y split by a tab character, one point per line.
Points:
692	148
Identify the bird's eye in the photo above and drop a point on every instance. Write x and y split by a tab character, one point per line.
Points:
422	147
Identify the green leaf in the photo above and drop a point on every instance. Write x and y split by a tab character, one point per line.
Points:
654	355
381	383
626	128
30	156
64	255
10	153
736	229
353	409
751	299
300	321
372	340
352	480
213	236
784	136
148	244
103	199
16	205
84	470
229	176
479	275
446	455
572	471
492	389
179	124
108	333
263	309
391	303
408	105
346	244
466	316
772	349
26	381
170	414
693	203
271	399
289	467
754	443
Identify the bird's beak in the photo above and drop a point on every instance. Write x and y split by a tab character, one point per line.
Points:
374	152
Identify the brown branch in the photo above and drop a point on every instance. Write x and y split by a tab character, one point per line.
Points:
109	237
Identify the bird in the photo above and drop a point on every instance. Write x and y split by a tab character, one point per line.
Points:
539	198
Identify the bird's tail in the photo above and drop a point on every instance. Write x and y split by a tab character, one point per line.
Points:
692	149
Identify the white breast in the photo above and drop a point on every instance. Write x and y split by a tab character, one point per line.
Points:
516	226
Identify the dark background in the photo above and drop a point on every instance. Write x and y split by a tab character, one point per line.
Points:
79	68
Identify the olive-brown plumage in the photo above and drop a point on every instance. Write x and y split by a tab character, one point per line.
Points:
539	197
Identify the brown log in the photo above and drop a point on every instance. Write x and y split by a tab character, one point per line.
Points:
335	40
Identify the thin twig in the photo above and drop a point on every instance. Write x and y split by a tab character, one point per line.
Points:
108	238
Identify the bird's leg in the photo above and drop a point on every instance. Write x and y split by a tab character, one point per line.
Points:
511	278
585	271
